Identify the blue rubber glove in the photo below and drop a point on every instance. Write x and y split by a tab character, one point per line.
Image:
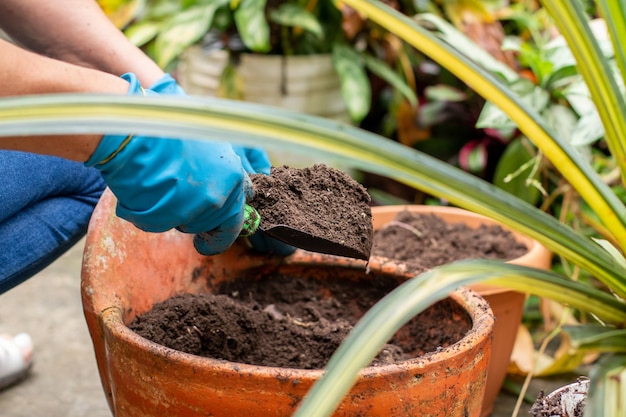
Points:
163	183
167	85
254	161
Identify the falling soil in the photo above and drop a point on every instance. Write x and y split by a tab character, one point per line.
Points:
424	241
320	201
287	321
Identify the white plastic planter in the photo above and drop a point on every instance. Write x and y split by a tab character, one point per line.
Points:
307	83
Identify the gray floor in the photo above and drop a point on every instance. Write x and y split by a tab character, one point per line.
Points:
64	381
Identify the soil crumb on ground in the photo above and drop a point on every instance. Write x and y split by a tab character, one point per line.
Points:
318	200
424	241
291	322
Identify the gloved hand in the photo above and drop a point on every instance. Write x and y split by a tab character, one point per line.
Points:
167	85
168	183
255	161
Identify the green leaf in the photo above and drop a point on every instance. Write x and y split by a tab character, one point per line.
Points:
443	92
607	389
614	13
355	86
475	160
249	125
431	114
295	15
510	178
612	250
561	119
141	33
460	41
560	76
590	51
533	96
252	25
379	324
380	68
182	31
596	337
587	130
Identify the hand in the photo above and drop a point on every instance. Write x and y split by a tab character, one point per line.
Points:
255	161
168	183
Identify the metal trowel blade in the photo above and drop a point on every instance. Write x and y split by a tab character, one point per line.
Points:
306	241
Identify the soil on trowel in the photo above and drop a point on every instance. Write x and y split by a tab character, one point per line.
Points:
424	241
291	322
318	200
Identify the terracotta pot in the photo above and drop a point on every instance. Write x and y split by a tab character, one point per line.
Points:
507	305
126	271
567	401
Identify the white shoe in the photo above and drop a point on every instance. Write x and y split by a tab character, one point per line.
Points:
16	358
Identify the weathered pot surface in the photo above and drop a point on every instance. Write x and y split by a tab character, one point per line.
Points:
567	401
126	271
507	305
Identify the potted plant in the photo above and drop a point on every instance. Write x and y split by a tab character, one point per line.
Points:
246	123
507	305
143	378
605	389
301	55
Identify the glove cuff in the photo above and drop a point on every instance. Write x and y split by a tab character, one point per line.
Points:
111	145
167	85
135	87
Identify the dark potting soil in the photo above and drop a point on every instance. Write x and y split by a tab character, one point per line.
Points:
424	241
290	322
320	200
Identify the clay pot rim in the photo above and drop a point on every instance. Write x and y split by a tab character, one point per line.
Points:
570	396
535	249
473	303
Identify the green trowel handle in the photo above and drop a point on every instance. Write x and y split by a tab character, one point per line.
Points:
251	221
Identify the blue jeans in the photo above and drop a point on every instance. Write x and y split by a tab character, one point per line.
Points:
45	206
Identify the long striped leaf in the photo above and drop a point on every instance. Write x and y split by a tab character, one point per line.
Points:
382	321
571	20
252	124
607	390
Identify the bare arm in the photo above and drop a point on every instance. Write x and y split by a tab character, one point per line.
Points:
36	74
75	31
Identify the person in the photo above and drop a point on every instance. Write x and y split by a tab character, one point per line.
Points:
50	184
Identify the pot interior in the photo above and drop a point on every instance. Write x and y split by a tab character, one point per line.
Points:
292	315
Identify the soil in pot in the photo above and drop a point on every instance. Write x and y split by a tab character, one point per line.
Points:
424	241
289	322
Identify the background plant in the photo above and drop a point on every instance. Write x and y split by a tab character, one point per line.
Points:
166	28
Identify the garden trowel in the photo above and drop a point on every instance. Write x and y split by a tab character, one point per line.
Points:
298	238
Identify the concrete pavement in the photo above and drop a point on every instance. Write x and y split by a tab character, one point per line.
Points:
64	381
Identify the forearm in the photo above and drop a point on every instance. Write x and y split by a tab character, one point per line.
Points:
75	31
23	72
76	148
36	74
